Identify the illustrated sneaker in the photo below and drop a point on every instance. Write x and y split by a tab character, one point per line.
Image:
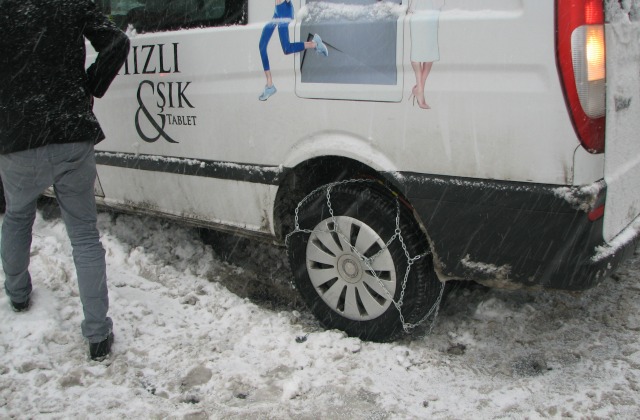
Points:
99	351
320	47
268	92
21	306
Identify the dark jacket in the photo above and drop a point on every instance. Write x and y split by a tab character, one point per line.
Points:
45	92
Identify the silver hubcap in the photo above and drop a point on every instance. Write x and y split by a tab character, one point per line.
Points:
346	282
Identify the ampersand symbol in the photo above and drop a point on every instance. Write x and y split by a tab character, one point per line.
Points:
159	128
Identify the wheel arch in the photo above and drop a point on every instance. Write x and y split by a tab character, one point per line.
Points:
327	157
321	170
340	144
306	177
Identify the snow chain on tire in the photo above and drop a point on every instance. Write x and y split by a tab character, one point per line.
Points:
368	261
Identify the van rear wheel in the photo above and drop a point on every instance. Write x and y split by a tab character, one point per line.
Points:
351	267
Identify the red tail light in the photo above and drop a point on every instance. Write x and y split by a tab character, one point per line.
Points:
580	50
596	213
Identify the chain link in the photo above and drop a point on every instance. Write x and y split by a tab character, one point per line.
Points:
368	261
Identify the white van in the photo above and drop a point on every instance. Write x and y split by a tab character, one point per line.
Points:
439	139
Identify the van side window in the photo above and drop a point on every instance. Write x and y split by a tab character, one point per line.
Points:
164	15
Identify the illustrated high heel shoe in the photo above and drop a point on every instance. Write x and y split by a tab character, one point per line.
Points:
422	103
412	95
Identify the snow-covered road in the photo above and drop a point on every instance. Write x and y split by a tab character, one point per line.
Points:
187	347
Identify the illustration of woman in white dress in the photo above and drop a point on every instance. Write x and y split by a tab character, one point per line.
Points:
424	44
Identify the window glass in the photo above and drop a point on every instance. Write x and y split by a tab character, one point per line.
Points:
349	28
162	15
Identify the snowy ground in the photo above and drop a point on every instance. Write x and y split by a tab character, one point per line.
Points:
187	347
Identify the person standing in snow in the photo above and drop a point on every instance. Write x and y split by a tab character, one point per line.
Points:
47	136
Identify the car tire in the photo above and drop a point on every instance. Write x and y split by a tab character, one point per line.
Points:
330	269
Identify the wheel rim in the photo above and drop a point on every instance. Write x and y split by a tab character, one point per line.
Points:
350	285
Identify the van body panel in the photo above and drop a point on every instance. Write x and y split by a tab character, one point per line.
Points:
530	235
478	112
587	167
622	149
204	194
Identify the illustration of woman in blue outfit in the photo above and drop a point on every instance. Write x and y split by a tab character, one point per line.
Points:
282	16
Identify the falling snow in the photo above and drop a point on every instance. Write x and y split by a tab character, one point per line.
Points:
198	337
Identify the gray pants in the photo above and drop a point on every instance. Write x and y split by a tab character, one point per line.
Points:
71	169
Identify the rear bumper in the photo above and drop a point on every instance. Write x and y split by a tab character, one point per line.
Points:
509	234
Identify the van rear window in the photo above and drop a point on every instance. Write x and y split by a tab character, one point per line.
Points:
164	15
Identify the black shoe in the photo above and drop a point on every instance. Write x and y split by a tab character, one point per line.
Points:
99	351
21	306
